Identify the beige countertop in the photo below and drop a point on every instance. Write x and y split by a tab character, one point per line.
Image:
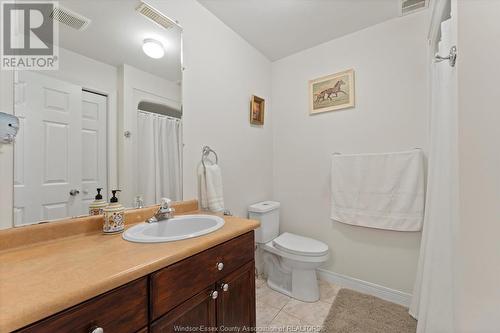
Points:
44	276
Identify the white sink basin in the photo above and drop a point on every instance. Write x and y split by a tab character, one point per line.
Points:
177	228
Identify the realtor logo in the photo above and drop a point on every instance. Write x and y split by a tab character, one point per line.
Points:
29	36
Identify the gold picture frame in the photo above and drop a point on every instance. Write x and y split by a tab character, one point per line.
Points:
257	108
332	92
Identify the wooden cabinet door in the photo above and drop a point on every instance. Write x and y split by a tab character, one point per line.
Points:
236	301
195	314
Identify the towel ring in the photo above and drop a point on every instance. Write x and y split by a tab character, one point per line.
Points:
206	152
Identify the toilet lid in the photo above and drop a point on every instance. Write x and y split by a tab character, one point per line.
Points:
300	245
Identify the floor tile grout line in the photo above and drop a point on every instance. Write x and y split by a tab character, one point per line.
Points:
304	319
272	306
301	319
292	315
276	315
289	299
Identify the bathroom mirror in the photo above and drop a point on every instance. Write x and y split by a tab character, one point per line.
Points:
109	117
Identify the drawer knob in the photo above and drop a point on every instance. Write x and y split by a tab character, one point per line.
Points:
214	294
225	286
96	329
220	266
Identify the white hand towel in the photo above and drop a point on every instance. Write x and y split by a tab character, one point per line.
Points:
384	191
210	188
202	188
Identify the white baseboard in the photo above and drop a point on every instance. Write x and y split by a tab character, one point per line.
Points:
369	288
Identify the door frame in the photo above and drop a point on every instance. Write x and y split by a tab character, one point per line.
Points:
7	154
111	135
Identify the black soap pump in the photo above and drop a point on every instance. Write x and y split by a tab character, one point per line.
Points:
97	206
114	198
114	217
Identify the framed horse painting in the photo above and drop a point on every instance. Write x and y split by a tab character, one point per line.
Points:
332	92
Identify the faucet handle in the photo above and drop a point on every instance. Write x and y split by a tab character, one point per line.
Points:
165	203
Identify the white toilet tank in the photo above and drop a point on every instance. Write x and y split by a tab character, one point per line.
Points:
268	213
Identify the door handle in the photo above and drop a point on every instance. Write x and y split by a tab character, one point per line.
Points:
74	192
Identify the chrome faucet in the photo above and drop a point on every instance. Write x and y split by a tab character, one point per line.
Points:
165	212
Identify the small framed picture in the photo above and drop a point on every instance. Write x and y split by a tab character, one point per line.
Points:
332	92
257	106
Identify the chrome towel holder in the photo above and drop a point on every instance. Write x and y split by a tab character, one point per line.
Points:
452	57
205	153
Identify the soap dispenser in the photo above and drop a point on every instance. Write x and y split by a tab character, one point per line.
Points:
97	206
114	217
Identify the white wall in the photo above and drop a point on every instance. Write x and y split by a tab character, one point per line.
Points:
391	114
222	72
85	72
479	135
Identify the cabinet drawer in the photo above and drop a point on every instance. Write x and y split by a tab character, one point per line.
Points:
173	285
122	310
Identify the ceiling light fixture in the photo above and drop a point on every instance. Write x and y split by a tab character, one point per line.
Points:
153	48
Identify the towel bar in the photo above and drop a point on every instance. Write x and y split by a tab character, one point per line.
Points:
337	153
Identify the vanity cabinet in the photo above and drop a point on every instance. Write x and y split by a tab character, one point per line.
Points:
210	289
124	309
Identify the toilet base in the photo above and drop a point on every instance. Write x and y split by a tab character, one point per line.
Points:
277	288
292	278
304	286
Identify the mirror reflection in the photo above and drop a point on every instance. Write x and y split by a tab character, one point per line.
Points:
113	103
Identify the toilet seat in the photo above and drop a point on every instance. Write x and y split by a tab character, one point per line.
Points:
300	245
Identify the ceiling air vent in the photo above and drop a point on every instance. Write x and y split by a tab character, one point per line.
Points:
411	6
70	18
155	16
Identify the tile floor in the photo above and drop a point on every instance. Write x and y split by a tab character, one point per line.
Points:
276	311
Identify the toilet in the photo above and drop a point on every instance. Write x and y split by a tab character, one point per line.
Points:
290	260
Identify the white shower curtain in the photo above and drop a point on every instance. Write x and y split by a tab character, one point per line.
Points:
433	295
159	154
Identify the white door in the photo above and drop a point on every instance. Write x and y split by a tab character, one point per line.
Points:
51	160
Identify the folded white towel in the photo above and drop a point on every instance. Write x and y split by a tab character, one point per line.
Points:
210	188
384	191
